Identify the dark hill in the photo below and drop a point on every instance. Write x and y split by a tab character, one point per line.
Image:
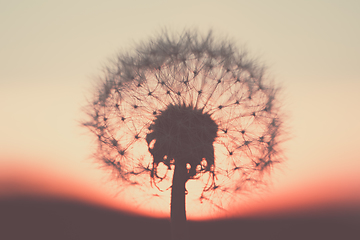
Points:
35	218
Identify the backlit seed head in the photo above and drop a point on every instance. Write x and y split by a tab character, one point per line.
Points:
189	99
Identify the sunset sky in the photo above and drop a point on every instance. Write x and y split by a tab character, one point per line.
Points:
51	52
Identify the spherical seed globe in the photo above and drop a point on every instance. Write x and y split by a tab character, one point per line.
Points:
191	99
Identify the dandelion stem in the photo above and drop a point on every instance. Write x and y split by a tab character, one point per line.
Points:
178	212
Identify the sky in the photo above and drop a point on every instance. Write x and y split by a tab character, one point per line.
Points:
51	52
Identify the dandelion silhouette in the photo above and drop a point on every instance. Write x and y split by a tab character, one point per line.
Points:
189	105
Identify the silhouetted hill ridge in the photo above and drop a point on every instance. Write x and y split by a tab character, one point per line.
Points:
46	218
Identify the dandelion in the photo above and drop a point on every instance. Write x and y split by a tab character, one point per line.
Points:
186	107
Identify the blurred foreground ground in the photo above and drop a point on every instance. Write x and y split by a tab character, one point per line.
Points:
51	218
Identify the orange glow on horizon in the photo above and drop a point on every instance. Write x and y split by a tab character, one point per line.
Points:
31	182
312	197
306	198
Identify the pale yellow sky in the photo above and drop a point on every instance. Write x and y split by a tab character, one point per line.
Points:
51	51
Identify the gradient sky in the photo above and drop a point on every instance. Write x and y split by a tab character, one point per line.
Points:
52	51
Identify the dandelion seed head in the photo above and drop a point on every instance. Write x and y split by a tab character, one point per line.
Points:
191	99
